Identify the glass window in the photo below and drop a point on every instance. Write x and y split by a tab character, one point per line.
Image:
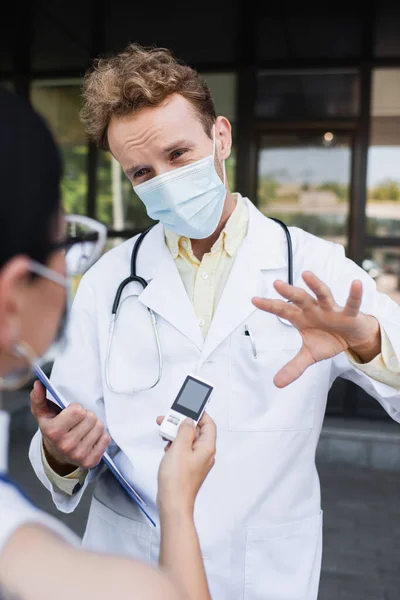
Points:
117	204
307	95
223	90
303	179
59	103
383	201
383	264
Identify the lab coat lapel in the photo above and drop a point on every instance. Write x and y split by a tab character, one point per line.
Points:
263	249
166	295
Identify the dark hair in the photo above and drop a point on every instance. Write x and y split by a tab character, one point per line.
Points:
30	173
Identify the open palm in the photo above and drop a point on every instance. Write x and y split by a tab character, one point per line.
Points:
325	327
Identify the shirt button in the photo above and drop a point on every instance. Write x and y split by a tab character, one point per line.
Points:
205	275
202	322
393	361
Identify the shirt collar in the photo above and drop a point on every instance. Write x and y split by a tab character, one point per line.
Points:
4	421
236	227
230	237
172	240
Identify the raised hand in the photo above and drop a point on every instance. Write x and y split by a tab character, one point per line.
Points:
325	327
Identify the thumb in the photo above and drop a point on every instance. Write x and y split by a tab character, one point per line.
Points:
186	434
39	405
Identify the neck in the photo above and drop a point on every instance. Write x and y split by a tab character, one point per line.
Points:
201	247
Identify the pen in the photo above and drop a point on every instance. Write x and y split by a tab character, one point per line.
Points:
253	346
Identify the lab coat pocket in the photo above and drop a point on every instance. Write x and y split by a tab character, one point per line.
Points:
106	531
255	403
283	561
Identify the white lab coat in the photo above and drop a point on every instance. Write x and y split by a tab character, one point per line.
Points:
258	513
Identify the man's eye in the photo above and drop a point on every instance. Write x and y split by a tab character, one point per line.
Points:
177	154
140	173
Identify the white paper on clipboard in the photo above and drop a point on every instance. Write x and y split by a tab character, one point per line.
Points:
57	398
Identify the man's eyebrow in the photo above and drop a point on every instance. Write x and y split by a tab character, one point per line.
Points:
178	144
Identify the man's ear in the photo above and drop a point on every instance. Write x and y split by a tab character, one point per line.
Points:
13	279
223	136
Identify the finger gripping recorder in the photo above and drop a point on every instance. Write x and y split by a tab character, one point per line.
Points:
191	402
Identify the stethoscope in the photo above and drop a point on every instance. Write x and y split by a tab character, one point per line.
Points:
135	278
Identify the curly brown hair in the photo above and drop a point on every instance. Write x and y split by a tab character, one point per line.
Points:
136	78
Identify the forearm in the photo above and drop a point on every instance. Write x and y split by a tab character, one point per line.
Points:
44	559
180	554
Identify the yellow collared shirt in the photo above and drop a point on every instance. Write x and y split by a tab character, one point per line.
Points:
205	280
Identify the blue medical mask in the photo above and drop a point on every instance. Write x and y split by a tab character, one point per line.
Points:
188	200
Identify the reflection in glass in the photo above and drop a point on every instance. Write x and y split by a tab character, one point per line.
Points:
383	199
59	104
383	264
117	204
303	179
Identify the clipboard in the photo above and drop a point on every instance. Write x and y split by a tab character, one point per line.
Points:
106	458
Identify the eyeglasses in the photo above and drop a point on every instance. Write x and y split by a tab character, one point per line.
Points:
83	244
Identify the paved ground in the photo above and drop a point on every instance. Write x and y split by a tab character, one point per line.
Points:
361	526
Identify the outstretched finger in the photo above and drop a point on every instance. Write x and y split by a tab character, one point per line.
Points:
354	300
294	294
280	308
294	369
320	289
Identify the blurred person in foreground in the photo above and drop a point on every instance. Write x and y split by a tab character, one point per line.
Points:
37	552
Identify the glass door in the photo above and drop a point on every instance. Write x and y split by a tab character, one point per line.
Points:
303	178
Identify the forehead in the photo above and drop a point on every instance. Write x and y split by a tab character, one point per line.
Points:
175	118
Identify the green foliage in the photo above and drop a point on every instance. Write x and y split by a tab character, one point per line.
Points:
74	183
319	225
267	188
230	166
388	190
341	191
